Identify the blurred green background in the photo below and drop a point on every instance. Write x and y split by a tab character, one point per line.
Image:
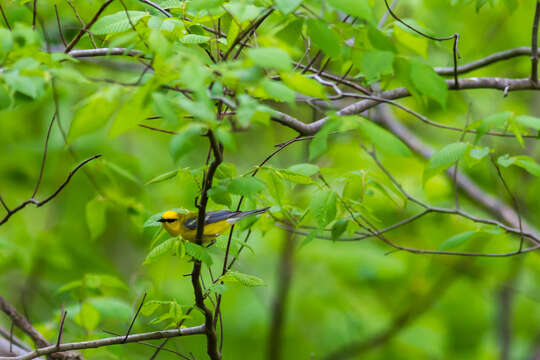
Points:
85	249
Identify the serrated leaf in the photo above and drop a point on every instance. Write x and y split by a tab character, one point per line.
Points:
447	156
198	252
457	240
117	22
244	279
323	206
443	159
159	251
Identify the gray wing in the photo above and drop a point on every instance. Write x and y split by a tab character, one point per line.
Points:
210	218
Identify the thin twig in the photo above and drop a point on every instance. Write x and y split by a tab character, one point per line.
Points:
135	317
50	197
170	132
61	328
42	168
87	26
5	17
59	26
34	15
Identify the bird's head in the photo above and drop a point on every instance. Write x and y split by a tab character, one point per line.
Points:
172	221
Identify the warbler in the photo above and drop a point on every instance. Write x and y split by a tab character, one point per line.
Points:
215	223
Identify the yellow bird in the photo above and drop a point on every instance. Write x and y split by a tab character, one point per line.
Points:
215	223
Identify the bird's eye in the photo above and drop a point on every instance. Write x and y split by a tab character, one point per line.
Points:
171	220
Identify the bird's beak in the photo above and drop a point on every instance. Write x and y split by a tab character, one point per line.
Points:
161	220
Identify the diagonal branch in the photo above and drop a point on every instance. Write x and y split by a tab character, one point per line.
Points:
37	203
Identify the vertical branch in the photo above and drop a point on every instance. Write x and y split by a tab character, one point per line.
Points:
34	15
280	300
534	45
210	330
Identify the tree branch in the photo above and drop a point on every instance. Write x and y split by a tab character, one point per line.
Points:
116	340
503	84
37	203
87	26
534	45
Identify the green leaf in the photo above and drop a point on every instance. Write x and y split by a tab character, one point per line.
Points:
94	112
339	228
96	216
492	121
183	142
88	317
294	177
304	85
161	250
163	177
382	139
278	91
323	206
198	252
529	121
244	279
443	159
195	39
121	171
324	37
528	164
245	186
226	137
287	6
375	63
428	82
318	145
117	22
109	307
270	58
359	8
505	160
305	169
31	86
220	195
457	240
448	155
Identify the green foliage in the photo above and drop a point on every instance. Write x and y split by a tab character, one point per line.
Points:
323	206
91	239
243	279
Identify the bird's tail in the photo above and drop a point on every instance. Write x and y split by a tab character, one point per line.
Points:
245	214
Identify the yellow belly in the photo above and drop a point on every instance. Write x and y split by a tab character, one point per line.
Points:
211	231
